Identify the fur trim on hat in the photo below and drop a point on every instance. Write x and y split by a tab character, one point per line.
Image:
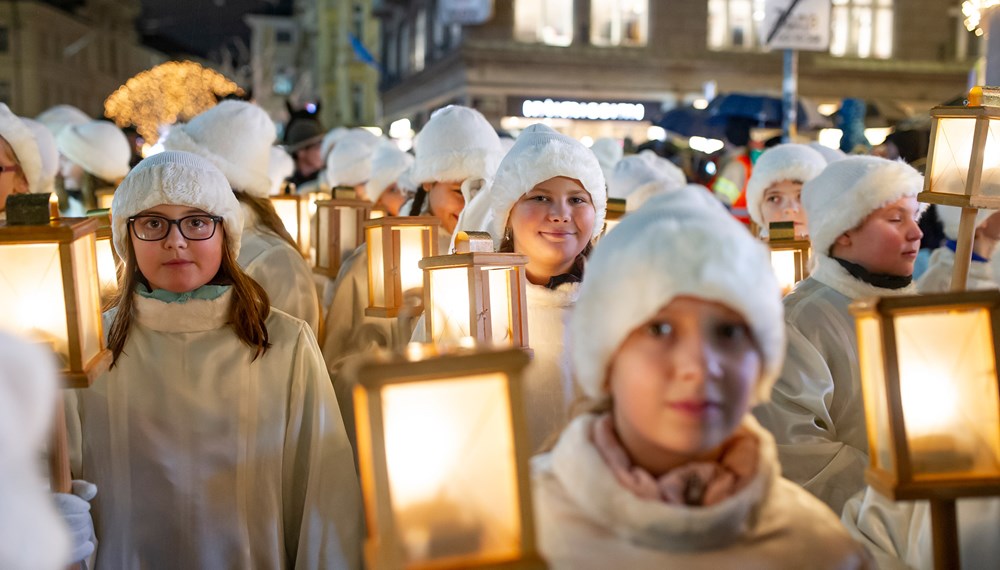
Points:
22	141
847	191
350	161
99	147
330	140
658	254
176	178
540	154
388	165
690	195
282	166
456	143
47	151
59	117
791	161
633	172
236	137
830	154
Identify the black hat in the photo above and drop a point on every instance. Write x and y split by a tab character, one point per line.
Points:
302	132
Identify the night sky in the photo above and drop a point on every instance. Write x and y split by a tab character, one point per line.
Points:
203	26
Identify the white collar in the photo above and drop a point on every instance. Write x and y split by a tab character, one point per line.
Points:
194	315
830	273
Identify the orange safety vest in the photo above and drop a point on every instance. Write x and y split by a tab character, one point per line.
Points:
739	205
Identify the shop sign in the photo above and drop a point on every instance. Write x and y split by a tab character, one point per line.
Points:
465	12
580	110
801	24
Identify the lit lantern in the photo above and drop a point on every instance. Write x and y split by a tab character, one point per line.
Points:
296	211
49	290
615	213
443	459
340	230
377	213
929	377
476	293
789	256
963	166
104	198
107	257
395	247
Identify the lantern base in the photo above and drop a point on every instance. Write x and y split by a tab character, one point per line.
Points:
375	557
382	312
84	378
937	487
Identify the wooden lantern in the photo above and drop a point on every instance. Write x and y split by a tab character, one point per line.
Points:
377	213
615	212
476	293
107	258
443	457
296	211
963	166
104	198
789	256
340	230
932	403
395	247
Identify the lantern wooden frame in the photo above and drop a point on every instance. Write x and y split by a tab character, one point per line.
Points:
299	205
105	234
480	314
384	547
66	233
329	216
384	246
800	249
616	210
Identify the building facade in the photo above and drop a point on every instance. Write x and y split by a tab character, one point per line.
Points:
50	56
610	67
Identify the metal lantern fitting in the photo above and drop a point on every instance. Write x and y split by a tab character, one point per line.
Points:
107	258
296	211
963	166
395	247
932	403
789	256
49	291
340	229
443	457
476	293
615	212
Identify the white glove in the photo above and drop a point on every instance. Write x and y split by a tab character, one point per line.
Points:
75	510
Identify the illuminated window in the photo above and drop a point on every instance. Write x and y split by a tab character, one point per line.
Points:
735	24
544	21
420	41
862	28
619	22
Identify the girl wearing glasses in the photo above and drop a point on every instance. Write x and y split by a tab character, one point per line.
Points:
215	438
20	160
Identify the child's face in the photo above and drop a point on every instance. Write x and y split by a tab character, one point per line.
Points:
682	382
553	222
12	181
446	202
782	203
887	241
175	263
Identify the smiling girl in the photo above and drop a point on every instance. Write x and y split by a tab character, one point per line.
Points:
215	438
677	332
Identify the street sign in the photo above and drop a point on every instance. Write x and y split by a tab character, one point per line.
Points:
465	12
806	27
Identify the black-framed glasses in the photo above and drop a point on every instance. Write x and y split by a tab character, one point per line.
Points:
199	227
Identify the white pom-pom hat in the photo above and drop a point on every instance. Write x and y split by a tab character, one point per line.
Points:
48	152
674	246
791	161
635	171
350	161
22	141
456	144
236	137
282	166
388	166
59	117
181	179
99	147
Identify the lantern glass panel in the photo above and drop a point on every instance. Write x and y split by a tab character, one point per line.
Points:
451	303
107	272
783	263
348	230
376	259
989	184
452	474
948	388
952	153
31	294
411	251
287	209
87	298
323	237
500	304
871	359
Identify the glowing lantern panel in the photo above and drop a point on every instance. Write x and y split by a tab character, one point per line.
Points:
395	247
339	231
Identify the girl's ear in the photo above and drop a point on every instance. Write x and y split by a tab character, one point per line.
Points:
843	240
427	186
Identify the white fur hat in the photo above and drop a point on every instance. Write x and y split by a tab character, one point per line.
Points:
674	246
539	154
59	117
176	178
99	147
282	166
951	215
236	137
638	170
47	151
388	165
457	143
350	161
34	535
830	154
330	140
688	195
22	141
847	191
608	152
783	162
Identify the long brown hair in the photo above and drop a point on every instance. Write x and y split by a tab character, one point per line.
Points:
248	309
267	215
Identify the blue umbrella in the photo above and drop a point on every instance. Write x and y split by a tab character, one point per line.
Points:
764	109
691	122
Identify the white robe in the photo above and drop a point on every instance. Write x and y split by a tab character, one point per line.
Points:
281	271
204	459
937	278
586	519
816	412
